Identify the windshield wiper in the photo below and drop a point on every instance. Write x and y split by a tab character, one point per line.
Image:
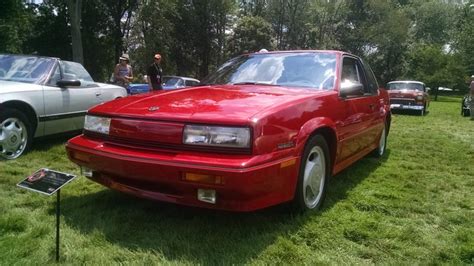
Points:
254	83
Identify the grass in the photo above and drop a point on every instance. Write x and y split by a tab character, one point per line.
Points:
414	206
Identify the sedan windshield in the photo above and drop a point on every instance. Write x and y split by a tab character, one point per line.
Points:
311	70
405	86
28	69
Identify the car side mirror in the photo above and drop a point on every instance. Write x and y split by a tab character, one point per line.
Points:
351	89
68	83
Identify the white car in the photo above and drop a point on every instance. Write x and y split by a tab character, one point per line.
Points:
41	96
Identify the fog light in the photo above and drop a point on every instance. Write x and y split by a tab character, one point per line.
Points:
87	172
207	195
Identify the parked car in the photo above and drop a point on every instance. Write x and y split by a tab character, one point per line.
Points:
465	105
42	96
267	128
408	95
169	83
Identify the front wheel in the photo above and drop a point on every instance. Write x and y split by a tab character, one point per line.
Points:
15	134
313	175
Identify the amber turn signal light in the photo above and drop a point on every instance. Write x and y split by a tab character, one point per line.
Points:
203	178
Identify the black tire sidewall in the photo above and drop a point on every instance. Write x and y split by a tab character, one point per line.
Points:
298	201
13	113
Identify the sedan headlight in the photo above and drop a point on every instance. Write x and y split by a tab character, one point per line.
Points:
97	124
419	97
237	137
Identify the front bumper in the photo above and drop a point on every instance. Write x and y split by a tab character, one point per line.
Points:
406	107
248	182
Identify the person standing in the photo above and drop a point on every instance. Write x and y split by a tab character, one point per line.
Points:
471	93
154	74
123	73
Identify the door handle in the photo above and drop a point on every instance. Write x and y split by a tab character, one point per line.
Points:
98	94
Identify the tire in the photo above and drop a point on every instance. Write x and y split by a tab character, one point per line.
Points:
465	112
16	134
313	175
380	150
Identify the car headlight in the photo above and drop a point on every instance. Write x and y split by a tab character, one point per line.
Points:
238	137
419	97
97	124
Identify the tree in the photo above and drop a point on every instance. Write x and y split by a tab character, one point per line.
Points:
251	34
75	11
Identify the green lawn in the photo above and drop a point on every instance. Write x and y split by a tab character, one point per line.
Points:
415	205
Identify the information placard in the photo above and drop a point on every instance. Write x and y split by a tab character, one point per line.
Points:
46	181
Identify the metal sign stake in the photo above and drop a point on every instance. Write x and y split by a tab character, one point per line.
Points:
58	211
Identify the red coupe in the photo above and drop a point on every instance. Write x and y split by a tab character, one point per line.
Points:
264	129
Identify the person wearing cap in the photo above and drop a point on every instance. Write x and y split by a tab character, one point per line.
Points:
155	73
471	87
123	73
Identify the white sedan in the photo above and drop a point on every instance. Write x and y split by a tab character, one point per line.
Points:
41	96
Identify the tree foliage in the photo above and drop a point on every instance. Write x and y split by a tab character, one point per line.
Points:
429	40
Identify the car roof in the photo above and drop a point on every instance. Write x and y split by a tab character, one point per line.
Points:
406	81
303	51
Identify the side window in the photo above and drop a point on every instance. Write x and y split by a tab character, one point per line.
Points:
372	85
55	77
352	72
73	70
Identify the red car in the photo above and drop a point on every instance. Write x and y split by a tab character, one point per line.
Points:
408	95
264	129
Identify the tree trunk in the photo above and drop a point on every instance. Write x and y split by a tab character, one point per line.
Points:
75	7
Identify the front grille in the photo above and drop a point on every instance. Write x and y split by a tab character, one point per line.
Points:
402	101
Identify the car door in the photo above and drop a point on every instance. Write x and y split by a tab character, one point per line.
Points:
65	107
358	127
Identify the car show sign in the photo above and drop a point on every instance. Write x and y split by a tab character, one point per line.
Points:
46	181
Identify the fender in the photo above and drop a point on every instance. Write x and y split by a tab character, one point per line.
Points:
310	127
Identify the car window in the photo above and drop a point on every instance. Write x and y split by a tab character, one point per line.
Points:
405	86
372	85
352	72
313	70
73	70
29	69
191	83
55	77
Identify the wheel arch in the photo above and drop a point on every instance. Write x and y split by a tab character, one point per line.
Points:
25	108
323	126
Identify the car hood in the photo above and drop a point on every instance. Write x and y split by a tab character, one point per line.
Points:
219	104
13	86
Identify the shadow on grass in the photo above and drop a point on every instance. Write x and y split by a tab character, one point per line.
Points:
197	235
48	142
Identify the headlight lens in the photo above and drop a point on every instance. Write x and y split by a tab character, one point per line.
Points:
237	137
97	124
419	98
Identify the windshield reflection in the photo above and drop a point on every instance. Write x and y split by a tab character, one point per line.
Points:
314	70
405	86
28	69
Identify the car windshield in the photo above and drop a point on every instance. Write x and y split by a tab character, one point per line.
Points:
28	69
170	82
313	70
405	86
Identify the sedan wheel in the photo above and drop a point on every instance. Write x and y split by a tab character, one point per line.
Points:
14	134
313	176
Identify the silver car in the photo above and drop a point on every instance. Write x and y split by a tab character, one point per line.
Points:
41	96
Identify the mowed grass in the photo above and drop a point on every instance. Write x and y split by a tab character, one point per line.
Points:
414	206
